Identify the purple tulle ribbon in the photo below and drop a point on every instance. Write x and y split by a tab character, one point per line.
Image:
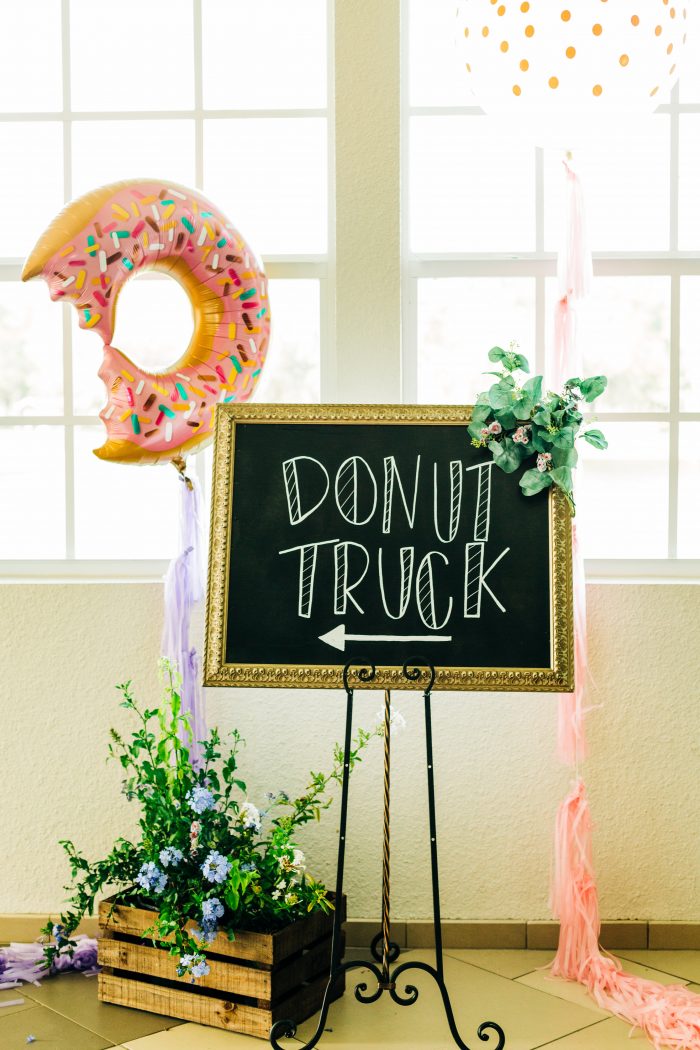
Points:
184	587
26	963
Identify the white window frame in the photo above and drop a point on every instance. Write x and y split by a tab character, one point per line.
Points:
539	265
292	267
368	344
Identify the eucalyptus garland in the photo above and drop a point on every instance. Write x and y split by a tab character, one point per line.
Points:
517	422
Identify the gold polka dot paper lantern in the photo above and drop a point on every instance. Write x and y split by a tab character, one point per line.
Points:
559	70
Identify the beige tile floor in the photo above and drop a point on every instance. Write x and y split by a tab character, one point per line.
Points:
507	986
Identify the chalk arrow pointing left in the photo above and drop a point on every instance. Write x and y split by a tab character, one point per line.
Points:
338	636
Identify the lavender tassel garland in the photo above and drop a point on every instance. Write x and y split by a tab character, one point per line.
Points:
25	962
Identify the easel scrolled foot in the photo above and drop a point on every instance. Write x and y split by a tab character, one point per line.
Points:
383	949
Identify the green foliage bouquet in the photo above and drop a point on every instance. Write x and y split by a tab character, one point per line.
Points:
515	420
207	858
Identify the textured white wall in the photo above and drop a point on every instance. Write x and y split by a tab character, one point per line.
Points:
66	645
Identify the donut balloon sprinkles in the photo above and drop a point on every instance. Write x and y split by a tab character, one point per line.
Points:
90	251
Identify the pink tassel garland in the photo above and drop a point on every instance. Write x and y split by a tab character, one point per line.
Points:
669	1015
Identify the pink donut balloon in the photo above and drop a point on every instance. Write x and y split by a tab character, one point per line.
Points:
89	252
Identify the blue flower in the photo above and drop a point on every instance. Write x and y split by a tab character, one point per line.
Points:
212	909
195	965
200	969
248	866
170	855
216	867
200	799
151	878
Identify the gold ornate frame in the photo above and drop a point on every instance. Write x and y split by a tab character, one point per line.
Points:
558	677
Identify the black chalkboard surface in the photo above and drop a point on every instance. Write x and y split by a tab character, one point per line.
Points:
379	533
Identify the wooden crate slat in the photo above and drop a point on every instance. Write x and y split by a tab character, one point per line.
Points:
224	976
254	947
218	1013
156	962
316	960
298	935
270	949
171	1002
307	1000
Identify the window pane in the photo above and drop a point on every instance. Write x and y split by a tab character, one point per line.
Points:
292	369
690	60
624	333
689	173
154	322
32	523
109	150
280	60
471	191
270	177
690	345
459	320
153	328
31	351
31	182
689	491
626	189
622	493
437	78
30	71
122	510
89	394
132	55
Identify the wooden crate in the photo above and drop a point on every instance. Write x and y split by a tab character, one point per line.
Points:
255	980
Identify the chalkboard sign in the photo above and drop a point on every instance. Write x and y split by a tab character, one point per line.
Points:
380	533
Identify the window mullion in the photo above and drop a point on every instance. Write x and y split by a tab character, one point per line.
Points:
368	204
198	94
674	386
69	434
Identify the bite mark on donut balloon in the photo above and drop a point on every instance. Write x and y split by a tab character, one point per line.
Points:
87	255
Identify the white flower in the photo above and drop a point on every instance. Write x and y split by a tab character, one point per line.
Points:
276	894
299	858
396	719
250	817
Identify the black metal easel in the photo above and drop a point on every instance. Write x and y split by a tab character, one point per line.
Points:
413	671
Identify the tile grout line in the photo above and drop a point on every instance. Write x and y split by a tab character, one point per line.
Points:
485	969
100	1035
669	973
574	1031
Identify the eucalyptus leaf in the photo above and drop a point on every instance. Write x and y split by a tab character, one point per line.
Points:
480	413
564	438
506	417
506	455
534	387
523	406
593	387
595	438
564	457
534	481
538	439
496	353
501	395
562	477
